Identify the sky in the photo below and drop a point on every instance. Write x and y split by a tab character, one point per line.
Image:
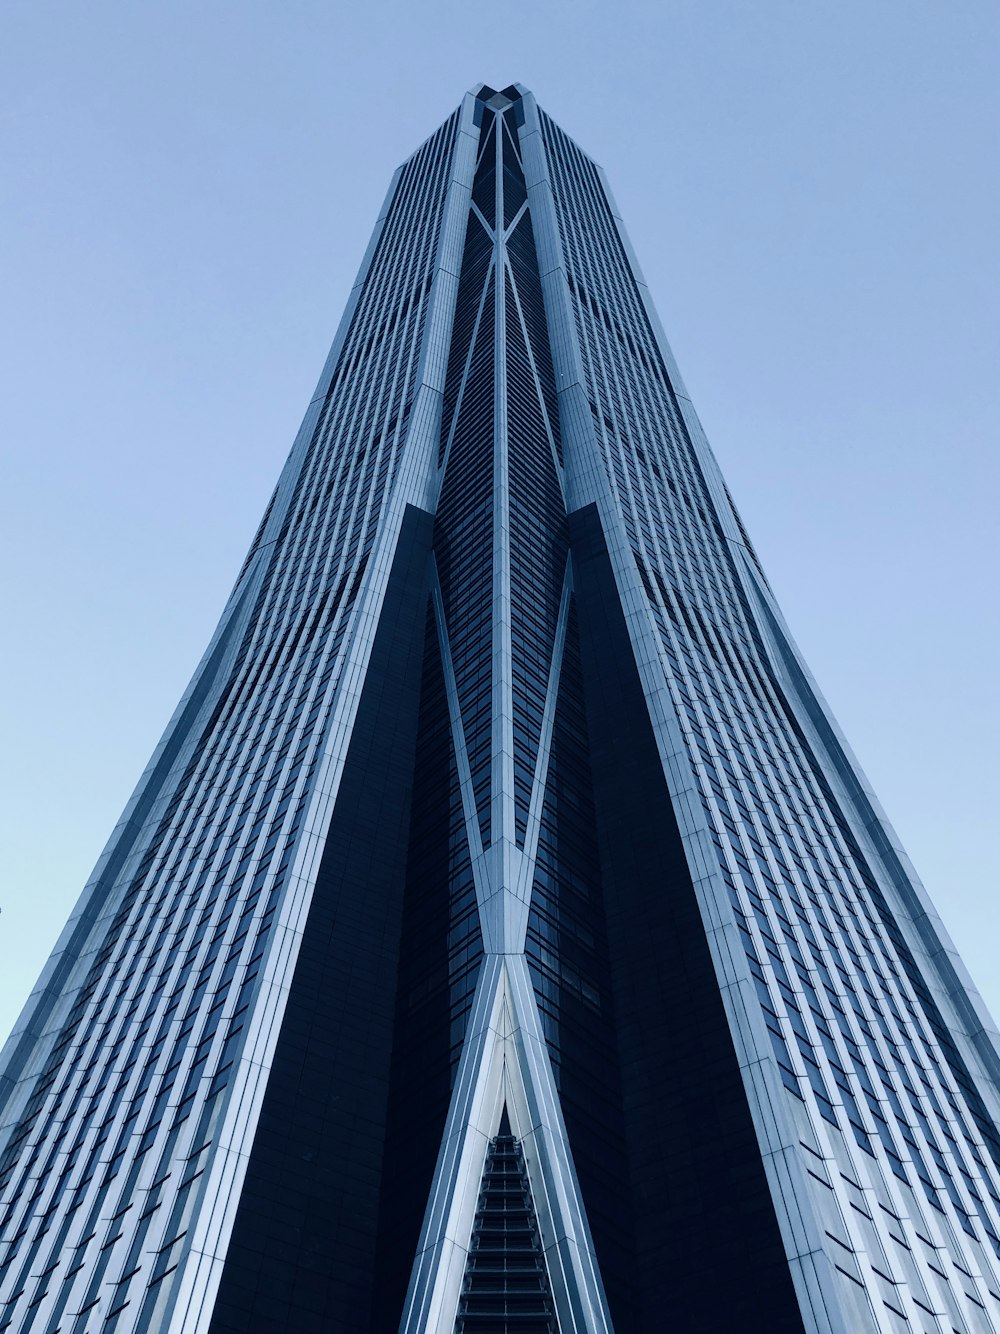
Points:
187	190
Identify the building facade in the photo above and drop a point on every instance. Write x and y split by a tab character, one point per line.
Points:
502	935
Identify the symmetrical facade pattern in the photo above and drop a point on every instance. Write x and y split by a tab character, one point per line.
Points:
502	935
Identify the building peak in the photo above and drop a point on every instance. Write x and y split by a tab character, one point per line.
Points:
499	100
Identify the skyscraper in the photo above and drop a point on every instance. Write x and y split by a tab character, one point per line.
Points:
502	935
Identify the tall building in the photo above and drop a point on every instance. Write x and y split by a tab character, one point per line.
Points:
502	936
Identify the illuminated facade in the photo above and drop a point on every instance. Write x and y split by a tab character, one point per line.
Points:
502	936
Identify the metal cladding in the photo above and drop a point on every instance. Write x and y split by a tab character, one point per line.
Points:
502	935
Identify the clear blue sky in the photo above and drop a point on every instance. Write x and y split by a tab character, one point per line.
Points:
187	189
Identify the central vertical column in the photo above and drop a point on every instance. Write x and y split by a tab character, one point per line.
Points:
504	889
504	1070
502	794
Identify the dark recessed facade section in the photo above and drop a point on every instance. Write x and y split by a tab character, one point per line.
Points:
568	957
439	965
700	1203
302	1253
